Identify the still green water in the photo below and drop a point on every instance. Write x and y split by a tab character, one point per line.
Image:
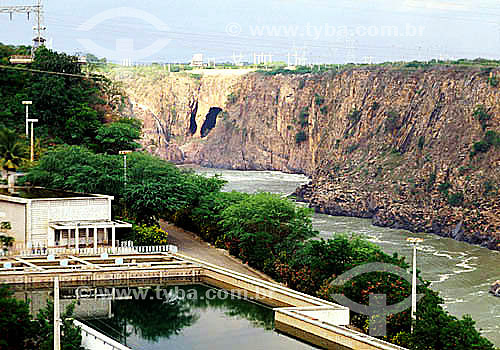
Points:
460	272
192	317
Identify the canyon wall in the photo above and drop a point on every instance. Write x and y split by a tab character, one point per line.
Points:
399	146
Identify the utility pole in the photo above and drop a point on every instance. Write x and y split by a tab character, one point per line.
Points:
32	153
414	242
38	40
57	316
27	104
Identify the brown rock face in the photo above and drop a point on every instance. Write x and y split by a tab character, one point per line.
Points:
390	145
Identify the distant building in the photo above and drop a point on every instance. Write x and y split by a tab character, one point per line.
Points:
46	218
197	60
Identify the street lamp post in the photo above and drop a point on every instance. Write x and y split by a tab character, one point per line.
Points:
124	153
27	104
32	147
414	242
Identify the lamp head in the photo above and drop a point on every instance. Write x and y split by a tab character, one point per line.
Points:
414	240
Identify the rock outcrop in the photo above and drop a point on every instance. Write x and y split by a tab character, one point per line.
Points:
495	289
390	145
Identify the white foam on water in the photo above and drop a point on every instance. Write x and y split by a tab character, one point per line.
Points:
478	293
467	265
442	254
442	278
449	301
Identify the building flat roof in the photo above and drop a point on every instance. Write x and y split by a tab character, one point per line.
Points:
42	193
38	192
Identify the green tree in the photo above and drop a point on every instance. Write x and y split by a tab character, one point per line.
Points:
16	327
71	338
118	136
262	226
12	151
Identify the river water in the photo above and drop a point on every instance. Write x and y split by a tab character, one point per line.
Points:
460	272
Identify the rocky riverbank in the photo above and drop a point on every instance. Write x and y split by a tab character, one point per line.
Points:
386	210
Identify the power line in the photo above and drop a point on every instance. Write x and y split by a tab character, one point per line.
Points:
49	72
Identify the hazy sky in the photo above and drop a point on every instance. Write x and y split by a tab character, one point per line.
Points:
315	30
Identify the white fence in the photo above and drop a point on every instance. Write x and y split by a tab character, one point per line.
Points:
94	340
92	251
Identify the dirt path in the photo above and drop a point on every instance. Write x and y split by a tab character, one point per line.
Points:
191	245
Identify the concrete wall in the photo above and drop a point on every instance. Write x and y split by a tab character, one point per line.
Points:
15	213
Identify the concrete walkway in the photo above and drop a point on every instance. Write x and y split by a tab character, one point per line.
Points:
191	245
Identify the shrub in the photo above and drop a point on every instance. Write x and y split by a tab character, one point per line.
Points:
488	187
482	116
444	187
324	110
492	138
304	117
319	100
232	98
149	235
352	148
480	147
391	122
493	81
354	116
430	182
456	199
300	137
421	142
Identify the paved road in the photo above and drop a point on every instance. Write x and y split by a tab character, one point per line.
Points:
191	245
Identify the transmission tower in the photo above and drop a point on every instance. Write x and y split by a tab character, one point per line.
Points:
37	9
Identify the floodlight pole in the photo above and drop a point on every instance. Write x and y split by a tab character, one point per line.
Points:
32	153
414	242
57	316
27	104
124	153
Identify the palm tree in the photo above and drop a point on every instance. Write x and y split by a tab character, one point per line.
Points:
12	151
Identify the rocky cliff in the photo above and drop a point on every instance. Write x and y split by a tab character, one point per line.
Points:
413	149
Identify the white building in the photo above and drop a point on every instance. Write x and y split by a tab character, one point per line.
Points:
197	60
47	218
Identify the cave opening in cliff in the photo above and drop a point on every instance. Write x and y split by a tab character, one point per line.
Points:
192	122
210	121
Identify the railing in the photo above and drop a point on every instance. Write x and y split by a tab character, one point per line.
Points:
95	340
91	251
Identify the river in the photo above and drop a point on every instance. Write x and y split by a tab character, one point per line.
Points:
460	272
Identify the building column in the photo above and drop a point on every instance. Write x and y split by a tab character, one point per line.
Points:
95	239
113	237
77	237
86	237
51	241
68	243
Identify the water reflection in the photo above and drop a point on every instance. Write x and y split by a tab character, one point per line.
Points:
201	315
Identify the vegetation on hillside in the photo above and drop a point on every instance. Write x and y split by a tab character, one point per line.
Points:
71	108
